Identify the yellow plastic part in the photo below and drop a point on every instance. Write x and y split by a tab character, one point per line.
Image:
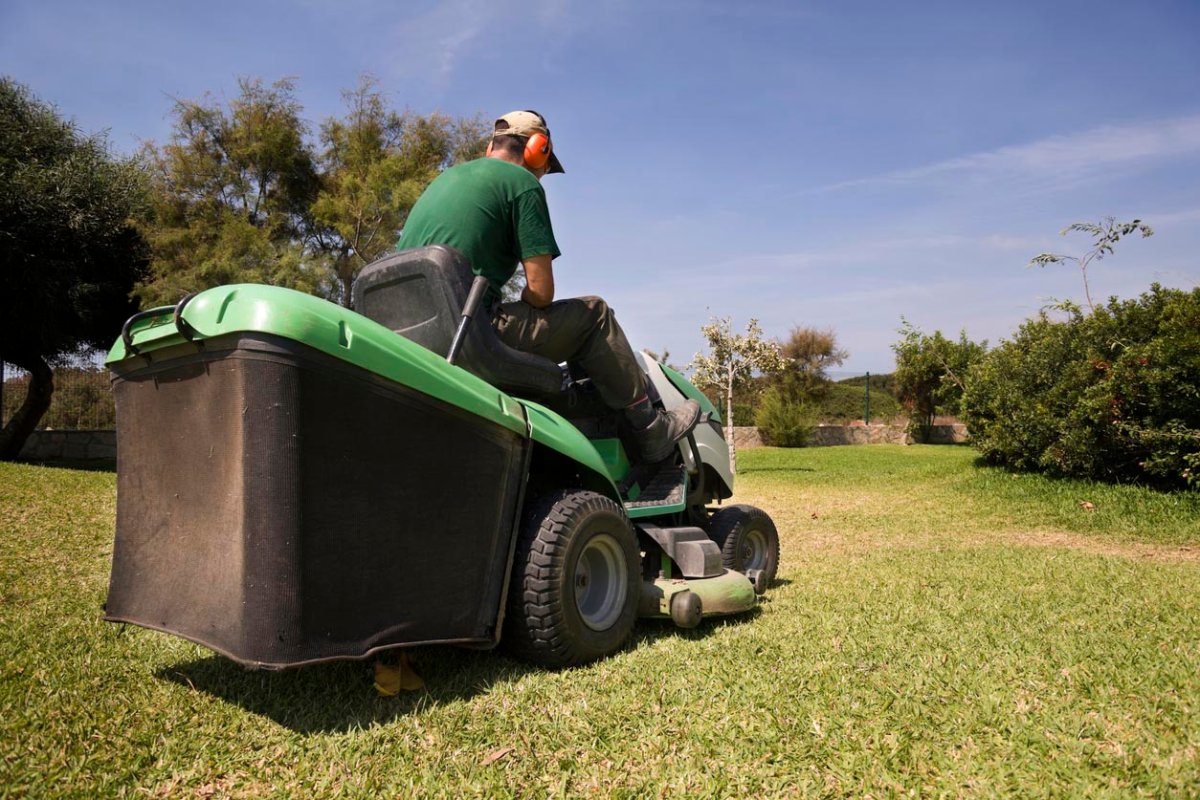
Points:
390	679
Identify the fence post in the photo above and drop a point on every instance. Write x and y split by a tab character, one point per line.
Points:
867	403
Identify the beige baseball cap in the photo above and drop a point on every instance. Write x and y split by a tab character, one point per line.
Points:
525	124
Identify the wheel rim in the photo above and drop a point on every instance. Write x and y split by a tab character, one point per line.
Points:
754	550
601	583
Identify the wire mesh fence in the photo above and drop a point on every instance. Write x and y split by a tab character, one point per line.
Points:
841	398
861	396
82	398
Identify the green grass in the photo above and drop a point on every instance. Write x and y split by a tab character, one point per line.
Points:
938	629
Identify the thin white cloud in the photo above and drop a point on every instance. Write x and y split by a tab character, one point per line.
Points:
1173	218
433	45
1057	159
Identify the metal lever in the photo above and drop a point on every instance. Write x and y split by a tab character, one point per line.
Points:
479	288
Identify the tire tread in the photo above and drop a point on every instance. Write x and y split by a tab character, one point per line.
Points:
732	519
534	628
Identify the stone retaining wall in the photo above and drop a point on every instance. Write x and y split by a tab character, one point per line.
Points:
948	434
746	437
832	435
96	446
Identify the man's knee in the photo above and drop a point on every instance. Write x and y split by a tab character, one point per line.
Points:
597	308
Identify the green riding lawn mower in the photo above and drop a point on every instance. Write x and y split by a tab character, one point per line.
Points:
299	483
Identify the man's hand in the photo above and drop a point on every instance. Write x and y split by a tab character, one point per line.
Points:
539	281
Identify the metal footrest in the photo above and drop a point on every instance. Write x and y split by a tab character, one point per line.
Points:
666	488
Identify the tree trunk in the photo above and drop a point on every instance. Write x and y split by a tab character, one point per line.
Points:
729	424
37	402
345	276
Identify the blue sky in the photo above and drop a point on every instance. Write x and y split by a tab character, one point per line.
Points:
833	164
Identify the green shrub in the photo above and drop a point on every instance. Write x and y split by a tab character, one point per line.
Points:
783	421
743	407
1114	395
931	374
743	414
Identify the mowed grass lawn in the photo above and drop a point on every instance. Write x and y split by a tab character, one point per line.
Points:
938	629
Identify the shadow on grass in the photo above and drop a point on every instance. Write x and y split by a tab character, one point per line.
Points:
984	467
339	696
748	470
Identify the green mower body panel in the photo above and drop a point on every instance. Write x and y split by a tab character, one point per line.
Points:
690	391
352	338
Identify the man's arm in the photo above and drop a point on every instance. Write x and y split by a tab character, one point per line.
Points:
539	281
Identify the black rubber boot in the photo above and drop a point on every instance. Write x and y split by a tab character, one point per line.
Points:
658	431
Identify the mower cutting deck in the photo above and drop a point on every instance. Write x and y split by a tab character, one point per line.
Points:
299	483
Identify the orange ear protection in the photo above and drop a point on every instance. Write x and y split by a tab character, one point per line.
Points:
537	150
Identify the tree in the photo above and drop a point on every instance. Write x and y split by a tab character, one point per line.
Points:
231	194
241	194
70	252
811	352
375	164
1105	235
732	362
931	373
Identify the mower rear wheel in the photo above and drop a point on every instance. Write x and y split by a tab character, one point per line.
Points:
575	583
748	540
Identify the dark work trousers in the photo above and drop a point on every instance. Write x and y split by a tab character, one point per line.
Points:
583	331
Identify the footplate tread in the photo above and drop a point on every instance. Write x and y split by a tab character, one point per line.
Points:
666	488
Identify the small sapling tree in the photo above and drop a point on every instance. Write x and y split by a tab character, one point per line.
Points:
731	362
1105	235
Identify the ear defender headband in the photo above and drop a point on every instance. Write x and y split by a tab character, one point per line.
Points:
537	150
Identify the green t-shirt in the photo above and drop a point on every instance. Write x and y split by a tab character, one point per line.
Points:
493	211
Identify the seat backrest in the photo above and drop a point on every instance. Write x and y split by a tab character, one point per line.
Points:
419	294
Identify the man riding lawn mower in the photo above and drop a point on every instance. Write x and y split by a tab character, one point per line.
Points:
301	483
493	210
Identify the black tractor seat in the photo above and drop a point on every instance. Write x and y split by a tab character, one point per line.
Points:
421	294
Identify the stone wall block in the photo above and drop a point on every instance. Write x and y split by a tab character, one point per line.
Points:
71	446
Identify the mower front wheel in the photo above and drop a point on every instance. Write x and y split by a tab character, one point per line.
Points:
748	540
576	578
